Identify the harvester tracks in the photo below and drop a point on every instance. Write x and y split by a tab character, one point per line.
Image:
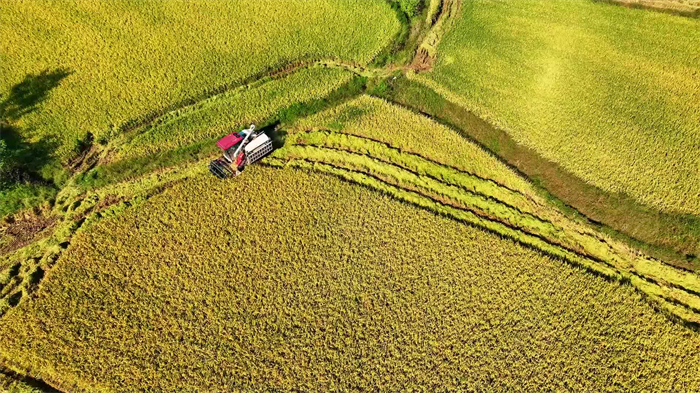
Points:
662	300
668	292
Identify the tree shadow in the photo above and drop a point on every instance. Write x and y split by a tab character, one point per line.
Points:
25	159
22	159
278	136
26	96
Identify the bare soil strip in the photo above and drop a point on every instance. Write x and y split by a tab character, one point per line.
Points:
21	229
688	8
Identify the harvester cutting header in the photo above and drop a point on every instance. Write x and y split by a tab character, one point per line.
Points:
240	149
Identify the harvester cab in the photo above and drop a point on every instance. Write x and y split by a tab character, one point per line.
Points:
240	149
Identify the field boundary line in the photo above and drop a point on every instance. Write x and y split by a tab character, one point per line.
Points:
430	160
658	251
593	266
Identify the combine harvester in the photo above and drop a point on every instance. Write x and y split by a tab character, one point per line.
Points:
240	149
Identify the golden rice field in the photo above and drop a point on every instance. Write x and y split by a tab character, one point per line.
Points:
611	94
360	150
376	249
238	108
96	65
329	286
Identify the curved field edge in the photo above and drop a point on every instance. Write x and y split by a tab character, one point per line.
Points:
572	84
418	287
672	238
374	118
380	121
218	53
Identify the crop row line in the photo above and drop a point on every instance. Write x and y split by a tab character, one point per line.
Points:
589	243
453	168
405	193
416	173
309	137
600	268
486	197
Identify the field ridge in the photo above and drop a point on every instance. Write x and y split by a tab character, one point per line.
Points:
672	238
610	256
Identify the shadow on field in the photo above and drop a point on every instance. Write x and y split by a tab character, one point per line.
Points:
20	160
26	96
277	135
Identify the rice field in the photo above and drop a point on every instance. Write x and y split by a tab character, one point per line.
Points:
98	65
612	94
394	162
375	249
323	285
231	110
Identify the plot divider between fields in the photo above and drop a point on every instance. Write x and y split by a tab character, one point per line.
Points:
333	165
576	259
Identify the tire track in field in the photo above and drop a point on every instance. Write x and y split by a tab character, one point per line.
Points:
666	290
687	316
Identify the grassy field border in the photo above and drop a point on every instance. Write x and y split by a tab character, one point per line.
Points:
615	214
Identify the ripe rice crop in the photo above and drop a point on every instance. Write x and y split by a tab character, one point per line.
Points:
290	280
108	62
227	112
611	94
410	176
376	119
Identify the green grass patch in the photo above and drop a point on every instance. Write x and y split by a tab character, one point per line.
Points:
22	196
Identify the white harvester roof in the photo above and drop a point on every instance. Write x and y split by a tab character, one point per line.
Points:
257	142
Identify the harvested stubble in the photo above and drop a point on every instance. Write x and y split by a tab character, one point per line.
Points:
223	113
289	280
